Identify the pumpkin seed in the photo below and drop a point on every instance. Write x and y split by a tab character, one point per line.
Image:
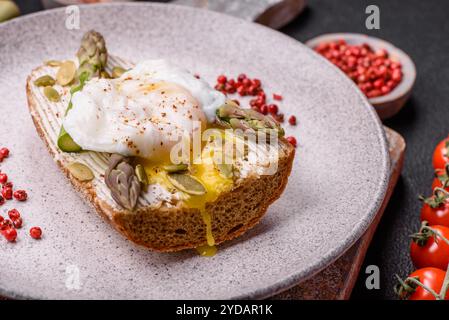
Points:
66	73
104	74
141	175
226	170
80	171
186	183
117	72
173	168
52	94
53	63
44	81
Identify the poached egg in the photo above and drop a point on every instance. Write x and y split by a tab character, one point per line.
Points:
143	113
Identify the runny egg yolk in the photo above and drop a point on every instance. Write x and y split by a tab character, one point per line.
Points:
213	181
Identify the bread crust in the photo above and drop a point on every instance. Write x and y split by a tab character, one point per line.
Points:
167	229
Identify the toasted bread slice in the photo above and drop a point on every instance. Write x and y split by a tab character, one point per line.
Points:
161	221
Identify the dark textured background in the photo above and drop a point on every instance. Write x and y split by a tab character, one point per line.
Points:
420	28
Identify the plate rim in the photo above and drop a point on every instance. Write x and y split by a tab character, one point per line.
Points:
358	230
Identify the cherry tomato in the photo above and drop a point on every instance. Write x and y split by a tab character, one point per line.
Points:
438	184
441	179
436	216
426	252
440	157
430	277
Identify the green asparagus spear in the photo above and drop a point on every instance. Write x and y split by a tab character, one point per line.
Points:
231	115
92	56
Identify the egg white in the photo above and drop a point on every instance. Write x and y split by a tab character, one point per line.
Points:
142	113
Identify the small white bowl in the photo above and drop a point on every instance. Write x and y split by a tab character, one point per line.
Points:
390	104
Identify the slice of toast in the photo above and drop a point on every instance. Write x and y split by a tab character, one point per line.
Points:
161	221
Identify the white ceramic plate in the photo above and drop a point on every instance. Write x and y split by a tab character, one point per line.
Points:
338	182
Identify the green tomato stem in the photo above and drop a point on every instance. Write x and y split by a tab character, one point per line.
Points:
440	190
445	286
436	233
422	285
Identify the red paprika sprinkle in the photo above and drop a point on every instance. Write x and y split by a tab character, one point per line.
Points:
14	214
20	195
241	77
292	120
3	178
257	83
277	97
229	88
8	185
4	152
222	79
246	82
241	91
220	87
292	141
253	102
17	223
273	109
6	223
36	232
252	90
7	193
10	234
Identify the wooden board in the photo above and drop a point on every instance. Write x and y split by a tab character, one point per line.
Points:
337	281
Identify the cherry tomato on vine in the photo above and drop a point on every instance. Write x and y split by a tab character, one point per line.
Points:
441	178
432	278
430	247
438	184
440	155
436	216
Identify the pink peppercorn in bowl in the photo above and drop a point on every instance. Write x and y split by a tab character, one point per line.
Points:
393	98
